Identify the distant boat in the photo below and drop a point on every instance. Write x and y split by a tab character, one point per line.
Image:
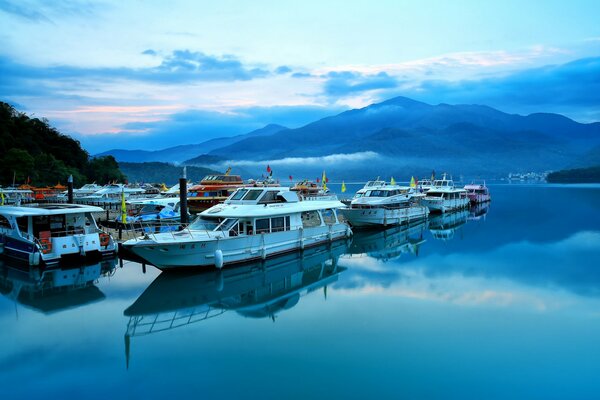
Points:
444	196
381	204
212	190
253	223
478	193
46	234
308	190
153	210
111	194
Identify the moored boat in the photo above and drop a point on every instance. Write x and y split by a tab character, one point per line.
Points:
253	223
478	193
46	234
212	190
152	210
381	204
444	196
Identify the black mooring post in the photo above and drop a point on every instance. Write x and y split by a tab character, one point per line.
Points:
183	198
70	190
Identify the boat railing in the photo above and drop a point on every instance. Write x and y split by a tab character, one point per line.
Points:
145	325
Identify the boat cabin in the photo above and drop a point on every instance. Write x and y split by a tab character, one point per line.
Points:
251	211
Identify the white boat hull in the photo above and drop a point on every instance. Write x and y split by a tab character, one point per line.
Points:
445	205
201	251
363	217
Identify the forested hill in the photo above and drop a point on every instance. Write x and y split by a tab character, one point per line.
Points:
578	175
160	172
31	150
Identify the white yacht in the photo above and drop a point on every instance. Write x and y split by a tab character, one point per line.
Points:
253	223
444	196
111	194
47	233
382	204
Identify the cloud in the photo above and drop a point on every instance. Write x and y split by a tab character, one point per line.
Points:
283	69
180	66
149	52
328	160
192	126
22	11
344	83
572	88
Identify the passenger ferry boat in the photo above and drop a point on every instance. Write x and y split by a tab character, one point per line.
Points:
444	196
13	195
382	204
45	234
253	223
478	193
425	184
212	190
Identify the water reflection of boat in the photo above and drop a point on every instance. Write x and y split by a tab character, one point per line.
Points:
390	243
444	226
479	211
53	290
257	290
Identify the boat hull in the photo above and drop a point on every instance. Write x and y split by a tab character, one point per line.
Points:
365	217
476	198
445	205
191	253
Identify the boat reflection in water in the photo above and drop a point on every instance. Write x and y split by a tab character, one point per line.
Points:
444	226
479	211
388	244
54	290
255	290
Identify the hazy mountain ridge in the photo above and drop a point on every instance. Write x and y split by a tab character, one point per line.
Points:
185	152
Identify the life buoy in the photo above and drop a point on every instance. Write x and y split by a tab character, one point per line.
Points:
104	239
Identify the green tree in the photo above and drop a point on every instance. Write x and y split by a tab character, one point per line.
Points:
18	163
105	169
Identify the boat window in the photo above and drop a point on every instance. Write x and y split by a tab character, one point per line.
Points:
287	223
227	224
201	223
328	216
4	222
310	219
277	224
252	195
22	223
269	197
262	225
239	194
358	195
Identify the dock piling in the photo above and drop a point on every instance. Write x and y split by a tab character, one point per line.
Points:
70	189
183	198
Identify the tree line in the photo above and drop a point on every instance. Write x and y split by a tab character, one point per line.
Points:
32	151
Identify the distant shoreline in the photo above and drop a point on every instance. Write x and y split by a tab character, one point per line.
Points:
577	175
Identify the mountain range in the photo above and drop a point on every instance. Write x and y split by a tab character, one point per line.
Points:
408	134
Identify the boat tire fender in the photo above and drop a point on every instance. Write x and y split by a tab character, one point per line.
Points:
219	258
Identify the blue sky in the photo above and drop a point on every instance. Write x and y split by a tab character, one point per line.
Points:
151	75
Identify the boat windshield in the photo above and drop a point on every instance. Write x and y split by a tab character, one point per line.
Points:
377	193
204	224
151	208
239	194
227	224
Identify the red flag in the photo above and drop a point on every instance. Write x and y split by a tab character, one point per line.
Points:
291	178
268	168
326	180
318	180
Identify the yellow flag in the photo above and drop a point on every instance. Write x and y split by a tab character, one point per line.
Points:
324	180
2	195
123	208
343	187
392	181
412	182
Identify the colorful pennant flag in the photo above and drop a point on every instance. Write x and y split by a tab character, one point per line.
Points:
392	181
412	182
324	180
344	187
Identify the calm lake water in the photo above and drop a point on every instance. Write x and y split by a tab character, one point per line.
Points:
502	302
